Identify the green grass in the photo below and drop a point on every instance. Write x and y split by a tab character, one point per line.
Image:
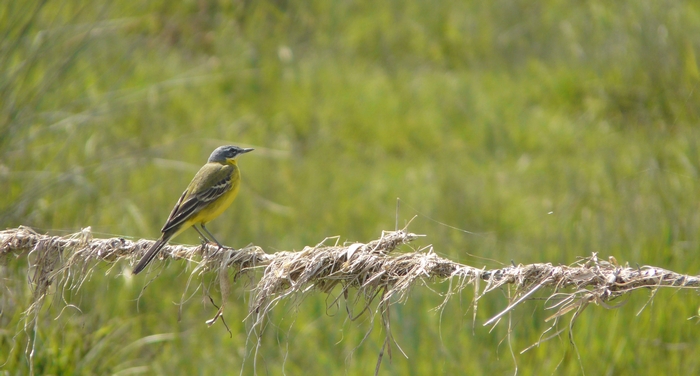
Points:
546	130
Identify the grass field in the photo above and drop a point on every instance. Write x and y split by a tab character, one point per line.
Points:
514	130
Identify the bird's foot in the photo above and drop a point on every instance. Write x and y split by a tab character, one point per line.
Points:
206	242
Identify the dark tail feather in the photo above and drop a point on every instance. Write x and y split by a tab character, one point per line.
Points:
150	254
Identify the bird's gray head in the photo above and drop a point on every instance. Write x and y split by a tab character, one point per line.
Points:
227	154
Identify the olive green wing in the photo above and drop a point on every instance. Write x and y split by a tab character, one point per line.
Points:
210	183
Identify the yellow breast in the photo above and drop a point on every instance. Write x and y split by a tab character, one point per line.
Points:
212	211
222	203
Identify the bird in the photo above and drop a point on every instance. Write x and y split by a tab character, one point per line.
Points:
210	192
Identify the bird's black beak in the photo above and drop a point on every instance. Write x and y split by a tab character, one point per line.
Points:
243	151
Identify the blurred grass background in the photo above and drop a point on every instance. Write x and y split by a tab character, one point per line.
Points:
542	131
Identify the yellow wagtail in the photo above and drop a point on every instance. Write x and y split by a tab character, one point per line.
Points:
210	192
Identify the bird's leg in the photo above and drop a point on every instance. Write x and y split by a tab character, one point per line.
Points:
205	240
212	236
